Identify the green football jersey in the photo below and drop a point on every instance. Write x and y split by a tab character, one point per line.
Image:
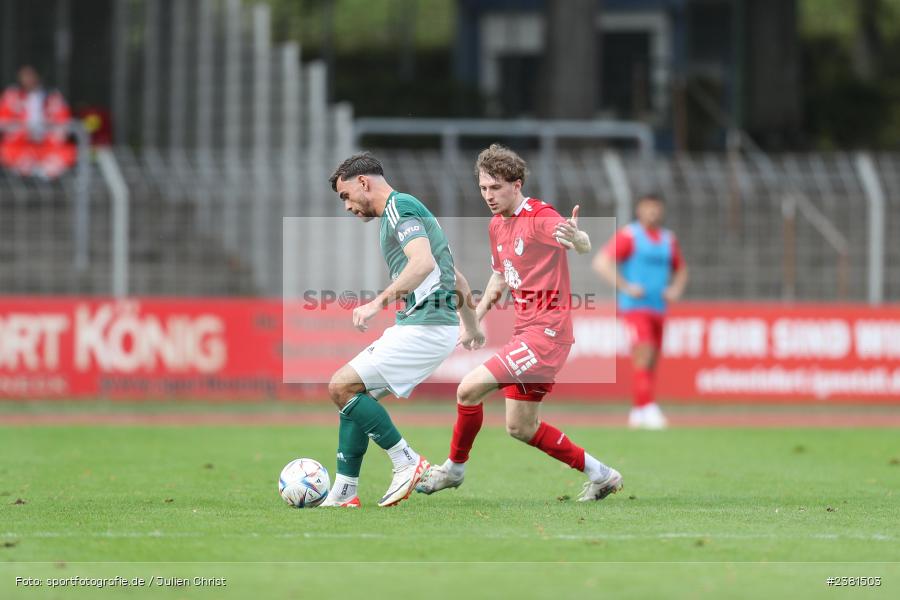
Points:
434	301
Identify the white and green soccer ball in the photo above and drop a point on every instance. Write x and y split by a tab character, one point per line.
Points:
304	483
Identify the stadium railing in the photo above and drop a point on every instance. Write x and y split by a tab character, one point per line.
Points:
209	223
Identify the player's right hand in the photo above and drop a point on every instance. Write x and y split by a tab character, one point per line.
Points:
471	340
634	290
362	314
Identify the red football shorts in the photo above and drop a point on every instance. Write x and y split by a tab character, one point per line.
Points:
527	365
645	327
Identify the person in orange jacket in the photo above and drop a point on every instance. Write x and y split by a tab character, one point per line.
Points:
34	128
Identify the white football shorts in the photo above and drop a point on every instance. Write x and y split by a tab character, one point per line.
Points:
404	356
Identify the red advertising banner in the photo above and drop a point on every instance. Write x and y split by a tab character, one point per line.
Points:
60	348
758	351
246	349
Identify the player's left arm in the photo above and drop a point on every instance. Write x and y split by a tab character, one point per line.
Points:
675	290
570	237
420	262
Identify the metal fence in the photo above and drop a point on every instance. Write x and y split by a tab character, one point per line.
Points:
791	227
751	226
236	134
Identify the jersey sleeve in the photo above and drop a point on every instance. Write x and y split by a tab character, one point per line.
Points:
677	259
57	109
6	105
406	221
620	247
545	221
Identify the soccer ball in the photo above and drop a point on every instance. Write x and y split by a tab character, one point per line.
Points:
304	483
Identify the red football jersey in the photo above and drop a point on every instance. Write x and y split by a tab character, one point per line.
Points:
536	269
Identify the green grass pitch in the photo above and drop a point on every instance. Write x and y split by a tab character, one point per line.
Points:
704	512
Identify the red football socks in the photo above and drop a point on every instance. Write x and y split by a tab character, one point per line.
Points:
558	445
468	424
643	387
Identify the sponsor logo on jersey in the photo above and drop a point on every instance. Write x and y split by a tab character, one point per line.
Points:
511	275
499	247
519	246
402	235
550	332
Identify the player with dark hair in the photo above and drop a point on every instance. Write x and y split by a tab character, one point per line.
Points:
529	240
644	263
426	332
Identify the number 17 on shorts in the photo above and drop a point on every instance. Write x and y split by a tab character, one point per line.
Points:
521	359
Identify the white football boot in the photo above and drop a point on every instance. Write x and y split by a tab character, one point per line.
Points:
636	418
352	502
647	417
438	478
653	417
601	489
404	482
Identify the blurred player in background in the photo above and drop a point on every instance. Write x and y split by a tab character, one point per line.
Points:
643	262
529	240
426	331
36	127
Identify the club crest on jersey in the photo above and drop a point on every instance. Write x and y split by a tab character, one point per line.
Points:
511	275
519	246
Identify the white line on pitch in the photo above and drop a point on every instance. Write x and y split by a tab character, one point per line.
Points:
878	537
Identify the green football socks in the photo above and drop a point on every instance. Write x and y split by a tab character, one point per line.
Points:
352	445
372	419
